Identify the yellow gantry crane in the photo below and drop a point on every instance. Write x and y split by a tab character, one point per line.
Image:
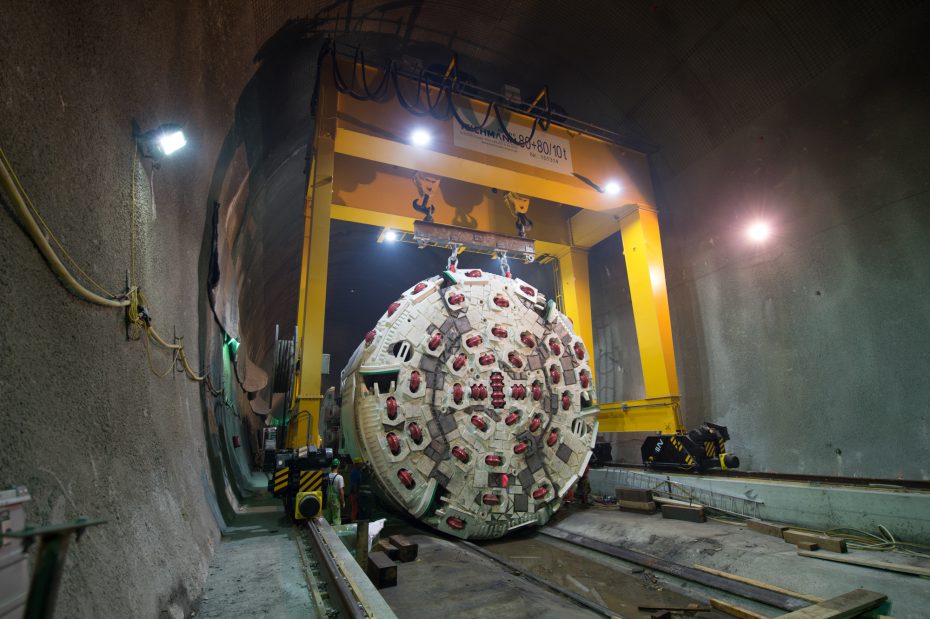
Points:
364	150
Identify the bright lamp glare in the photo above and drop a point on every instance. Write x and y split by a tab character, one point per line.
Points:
612	188
759	231
171	141
390	235
420	137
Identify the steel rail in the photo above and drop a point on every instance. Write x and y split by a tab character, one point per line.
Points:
350	603
750	592
542	582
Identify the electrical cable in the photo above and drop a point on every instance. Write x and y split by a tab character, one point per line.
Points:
382	87
133	300
12	188
132	218
414	107
433	106
437	108
468	126
519	142
349	89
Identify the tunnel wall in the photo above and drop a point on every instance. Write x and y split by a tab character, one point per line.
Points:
86	425
811	348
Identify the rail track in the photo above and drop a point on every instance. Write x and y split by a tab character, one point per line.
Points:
621	583
334	589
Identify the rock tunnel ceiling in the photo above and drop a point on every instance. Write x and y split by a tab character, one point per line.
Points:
472	400
654	82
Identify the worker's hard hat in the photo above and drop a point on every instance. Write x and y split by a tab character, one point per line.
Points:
335	461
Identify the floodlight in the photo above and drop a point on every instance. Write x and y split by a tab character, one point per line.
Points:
420	137
759	231
166	140
171	141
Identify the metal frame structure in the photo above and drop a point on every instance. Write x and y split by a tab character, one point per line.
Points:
361	153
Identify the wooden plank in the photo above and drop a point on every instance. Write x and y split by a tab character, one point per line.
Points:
381	570
759	583
683	512
808	546
662	499
648	507
878	565
633	494
387	548
693	607
361	543
406	550
735	611
844	606
827	543
768	528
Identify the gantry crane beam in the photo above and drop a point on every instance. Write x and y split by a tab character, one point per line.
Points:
361	170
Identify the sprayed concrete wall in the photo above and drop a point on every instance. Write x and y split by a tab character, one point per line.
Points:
811	348
84	423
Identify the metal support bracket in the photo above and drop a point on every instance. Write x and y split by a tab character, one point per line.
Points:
441	235
50	561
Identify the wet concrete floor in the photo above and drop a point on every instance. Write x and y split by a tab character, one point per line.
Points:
634	595
449	581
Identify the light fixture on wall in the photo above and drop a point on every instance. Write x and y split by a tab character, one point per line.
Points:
759	231
163	141
612	188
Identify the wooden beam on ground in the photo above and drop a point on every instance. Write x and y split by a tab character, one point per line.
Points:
686	608
381	570
735	611
387	548
769	528
878	565
667	501
850	604
759	583
682	512
826	542
643	507
406	550
633	494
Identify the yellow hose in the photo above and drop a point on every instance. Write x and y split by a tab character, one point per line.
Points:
134	298
19	207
